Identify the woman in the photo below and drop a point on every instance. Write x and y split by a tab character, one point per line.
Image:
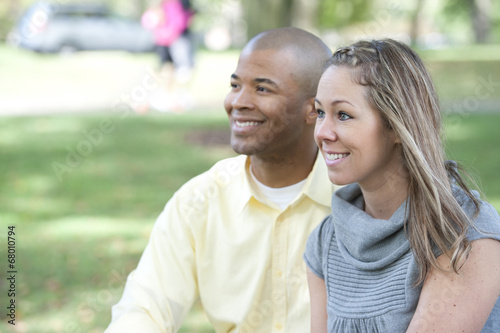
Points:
408	247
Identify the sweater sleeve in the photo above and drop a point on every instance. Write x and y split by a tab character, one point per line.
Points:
317	247
486	224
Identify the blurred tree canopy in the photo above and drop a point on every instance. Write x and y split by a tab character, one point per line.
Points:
462	21
482	16
313	14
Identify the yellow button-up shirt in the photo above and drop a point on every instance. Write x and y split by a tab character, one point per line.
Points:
239	253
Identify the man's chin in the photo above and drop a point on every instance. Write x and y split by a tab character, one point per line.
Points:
243	149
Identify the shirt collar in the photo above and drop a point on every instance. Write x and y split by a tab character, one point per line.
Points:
246	191
314	187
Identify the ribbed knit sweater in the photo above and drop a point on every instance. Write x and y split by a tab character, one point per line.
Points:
369	269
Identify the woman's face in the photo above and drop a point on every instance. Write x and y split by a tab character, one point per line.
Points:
351	135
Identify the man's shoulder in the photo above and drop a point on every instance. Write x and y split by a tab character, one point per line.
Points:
222	173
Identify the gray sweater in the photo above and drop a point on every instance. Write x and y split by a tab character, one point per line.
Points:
369	269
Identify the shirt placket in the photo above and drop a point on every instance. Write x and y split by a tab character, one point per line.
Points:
279	274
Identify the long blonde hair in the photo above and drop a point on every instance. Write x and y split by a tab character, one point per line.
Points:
401	89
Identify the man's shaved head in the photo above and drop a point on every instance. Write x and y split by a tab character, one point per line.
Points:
309	51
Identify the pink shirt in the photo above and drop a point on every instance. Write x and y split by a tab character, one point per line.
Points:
168	24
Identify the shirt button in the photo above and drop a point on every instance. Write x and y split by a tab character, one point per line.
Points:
279	326
279	273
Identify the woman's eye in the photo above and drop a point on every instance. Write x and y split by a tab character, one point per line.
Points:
320	113
344	116
233	85
262	89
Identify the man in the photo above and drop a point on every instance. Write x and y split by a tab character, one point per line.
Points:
234	236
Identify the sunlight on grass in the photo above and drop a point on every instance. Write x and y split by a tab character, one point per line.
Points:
80	237
93	226
473	141
485	52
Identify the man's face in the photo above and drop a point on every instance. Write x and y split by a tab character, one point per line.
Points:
266	106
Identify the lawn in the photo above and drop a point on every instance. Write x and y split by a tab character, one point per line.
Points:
84	190
81	230
82	219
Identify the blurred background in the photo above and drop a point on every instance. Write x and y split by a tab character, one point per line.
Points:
92	145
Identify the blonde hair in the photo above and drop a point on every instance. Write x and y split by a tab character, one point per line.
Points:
400	88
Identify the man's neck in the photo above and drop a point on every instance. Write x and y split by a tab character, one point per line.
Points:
284	170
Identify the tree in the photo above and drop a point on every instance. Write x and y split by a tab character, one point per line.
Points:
262	15
480	16
342	13
415	21
307	14
9	11
475	13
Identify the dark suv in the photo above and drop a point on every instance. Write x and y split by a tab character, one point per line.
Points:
55	27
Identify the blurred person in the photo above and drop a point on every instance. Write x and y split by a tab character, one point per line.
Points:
170	21
233	237
408	246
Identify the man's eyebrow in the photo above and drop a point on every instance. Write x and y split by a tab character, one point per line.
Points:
268	81
257	80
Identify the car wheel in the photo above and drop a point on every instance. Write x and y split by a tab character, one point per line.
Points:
67	48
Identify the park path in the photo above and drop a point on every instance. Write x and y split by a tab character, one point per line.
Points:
93	82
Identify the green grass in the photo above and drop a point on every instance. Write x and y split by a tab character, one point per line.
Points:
468	72
82	228
473	140
79	234
79	237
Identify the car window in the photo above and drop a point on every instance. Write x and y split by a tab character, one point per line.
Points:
81	14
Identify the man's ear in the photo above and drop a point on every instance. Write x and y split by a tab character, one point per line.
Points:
311	114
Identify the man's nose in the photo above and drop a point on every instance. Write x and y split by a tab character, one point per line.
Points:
242	100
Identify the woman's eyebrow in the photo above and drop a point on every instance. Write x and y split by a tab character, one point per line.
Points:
338	101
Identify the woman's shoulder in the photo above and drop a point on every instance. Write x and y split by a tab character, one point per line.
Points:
485	221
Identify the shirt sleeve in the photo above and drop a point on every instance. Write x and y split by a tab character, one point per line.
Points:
161	291
314	254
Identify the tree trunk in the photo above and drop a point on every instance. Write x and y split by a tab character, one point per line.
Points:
305	15
415	22
480	16
10	11
263	15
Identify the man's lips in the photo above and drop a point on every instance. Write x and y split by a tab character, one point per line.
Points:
247	123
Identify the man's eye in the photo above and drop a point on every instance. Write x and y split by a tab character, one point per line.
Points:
262	89
233	85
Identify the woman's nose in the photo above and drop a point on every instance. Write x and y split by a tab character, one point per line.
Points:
325	131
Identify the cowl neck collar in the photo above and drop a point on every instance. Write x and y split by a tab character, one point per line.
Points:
365	242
